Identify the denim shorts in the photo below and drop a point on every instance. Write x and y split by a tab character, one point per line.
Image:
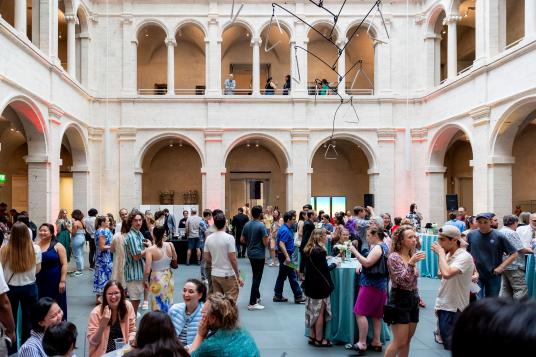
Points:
194	243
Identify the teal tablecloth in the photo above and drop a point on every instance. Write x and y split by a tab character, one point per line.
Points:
530	275
342	327
428	267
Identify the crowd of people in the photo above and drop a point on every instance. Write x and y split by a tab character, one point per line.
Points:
133	264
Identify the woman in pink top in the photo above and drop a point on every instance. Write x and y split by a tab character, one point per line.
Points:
114	318
404	294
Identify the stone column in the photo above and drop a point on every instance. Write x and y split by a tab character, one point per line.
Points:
530	20
81	187
95	159
127	164
213	58
500	185
299	89
130	54
134	67
48	28
255	43
39	171
301	170
490	32
452	22
383	186
20	16
54	153
341	67
480	142
436	190
36	6
171	43
83	76
71	44
433	67
214	170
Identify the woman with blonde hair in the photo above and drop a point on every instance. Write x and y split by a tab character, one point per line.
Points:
317	288
404	296
21	260
63	227
226	338
117	248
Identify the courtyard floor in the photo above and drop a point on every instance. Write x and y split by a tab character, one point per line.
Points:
278	329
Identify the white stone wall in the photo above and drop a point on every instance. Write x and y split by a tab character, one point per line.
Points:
402	128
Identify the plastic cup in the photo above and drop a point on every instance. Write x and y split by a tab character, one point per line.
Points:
119	343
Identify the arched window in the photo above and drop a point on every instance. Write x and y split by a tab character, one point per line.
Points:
466	35
152	60
82	47
274	58
360	51
319	75
514	23
190	60
237	59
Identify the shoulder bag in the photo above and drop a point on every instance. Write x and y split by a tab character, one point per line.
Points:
379	269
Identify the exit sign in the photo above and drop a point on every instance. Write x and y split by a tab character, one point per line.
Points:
3	179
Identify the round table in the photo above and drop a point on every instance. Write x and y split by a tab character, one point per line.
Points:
342	328
428	267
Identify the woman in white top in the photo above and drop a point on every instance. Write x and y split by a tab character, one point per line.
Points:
21	260
158	260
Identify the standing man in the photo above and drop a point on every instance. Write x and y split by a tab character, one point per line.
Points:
528	233
182	222
513	283
285	248
123	214
169	224
89	224
487	246
456	268
192	233
308	227
361	224
229	85
7	324
135	247
203	234
256	237
220	253
461	214
238	223
453	221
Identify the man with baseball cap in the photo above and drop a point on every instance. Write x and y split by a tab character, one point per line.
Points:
488	246
456	269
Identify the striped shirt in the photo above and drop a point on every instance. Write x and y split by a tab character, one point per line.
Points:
133	246
33	346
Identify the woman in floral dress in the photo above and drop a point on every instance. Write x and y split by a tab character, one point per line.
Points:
157	264
103	259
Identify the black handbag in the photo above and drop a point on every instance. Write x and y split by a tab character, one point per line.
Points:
379	269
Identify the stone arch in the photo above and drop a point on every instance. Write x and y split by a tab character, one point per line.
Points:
284	26
83	17
162	137
433	15
150	22
374	29
78	144
245	24
441	141
367	149
190	21
253	136
336	32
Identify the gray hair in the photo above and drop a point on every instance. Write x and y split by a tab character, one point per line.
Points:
509	220
524	217
378	221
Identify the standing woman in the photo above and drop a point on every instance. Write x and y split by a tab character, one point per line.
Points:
372	290
317	288
414	216
21	260
103	259
117	248
111	222
404	294
158	260
63	227
51	278
277	222
339	227
78	232
301	221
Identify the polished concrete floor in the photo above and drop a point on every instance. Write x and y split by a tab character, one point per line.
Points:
278	329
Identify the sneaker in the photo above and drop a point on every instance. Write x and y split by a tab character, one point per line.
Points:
258	300
145	305
280	299
77	273
91	269
271	264
255	307
300	300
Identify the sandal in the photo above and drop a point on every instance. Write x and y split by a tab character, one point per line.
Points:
320	343
437	338
373	348
311	341
422	303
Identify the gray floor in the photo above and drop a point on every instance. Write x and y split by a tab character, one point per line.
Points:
279	328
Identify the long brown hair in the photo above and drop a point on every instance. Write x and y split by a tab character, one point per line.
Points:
314	241
19	253
122	308
224	310
398	237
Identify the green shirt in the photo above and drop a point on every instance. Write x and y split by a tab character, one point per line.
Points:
228	343
133	246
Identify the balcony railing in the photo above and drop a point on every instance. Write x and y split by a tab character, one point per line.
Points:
359	91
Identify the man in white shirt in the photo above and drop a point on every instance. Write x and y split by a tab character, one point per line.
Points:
193	234
220	253
456	269
123	214
528	233
7	324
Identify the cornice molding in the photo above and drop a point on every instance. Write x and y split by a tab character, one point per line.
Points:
386	135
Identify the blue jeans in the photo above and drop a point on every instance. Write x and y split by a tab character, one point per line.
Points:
489	287
26	296
446	321
284	273
78	250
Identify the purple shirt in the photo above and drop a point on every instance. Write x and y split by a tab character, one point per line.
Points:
402	276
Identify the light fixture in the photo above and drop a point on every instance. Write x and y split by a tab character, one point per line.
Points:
180	32
12	129
248	144
59	36
170	145
247	34
257	144
180	143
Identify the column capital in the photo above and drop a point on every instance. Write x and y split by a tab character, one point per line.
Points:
341	41
435	169
134	41
419	134
420	19
432	36
127	134
37	159
299	135
213	135
55	112
213	19
496	160
480	115
127	19
71	19
95	134
451	19
256	41
171	42
386	135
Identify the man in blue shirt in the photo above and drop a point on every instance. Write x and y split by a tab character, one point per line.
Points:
285	248
453	221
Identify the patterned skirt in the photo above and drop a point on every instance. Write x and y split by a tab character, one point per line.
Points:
312	310
161	290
